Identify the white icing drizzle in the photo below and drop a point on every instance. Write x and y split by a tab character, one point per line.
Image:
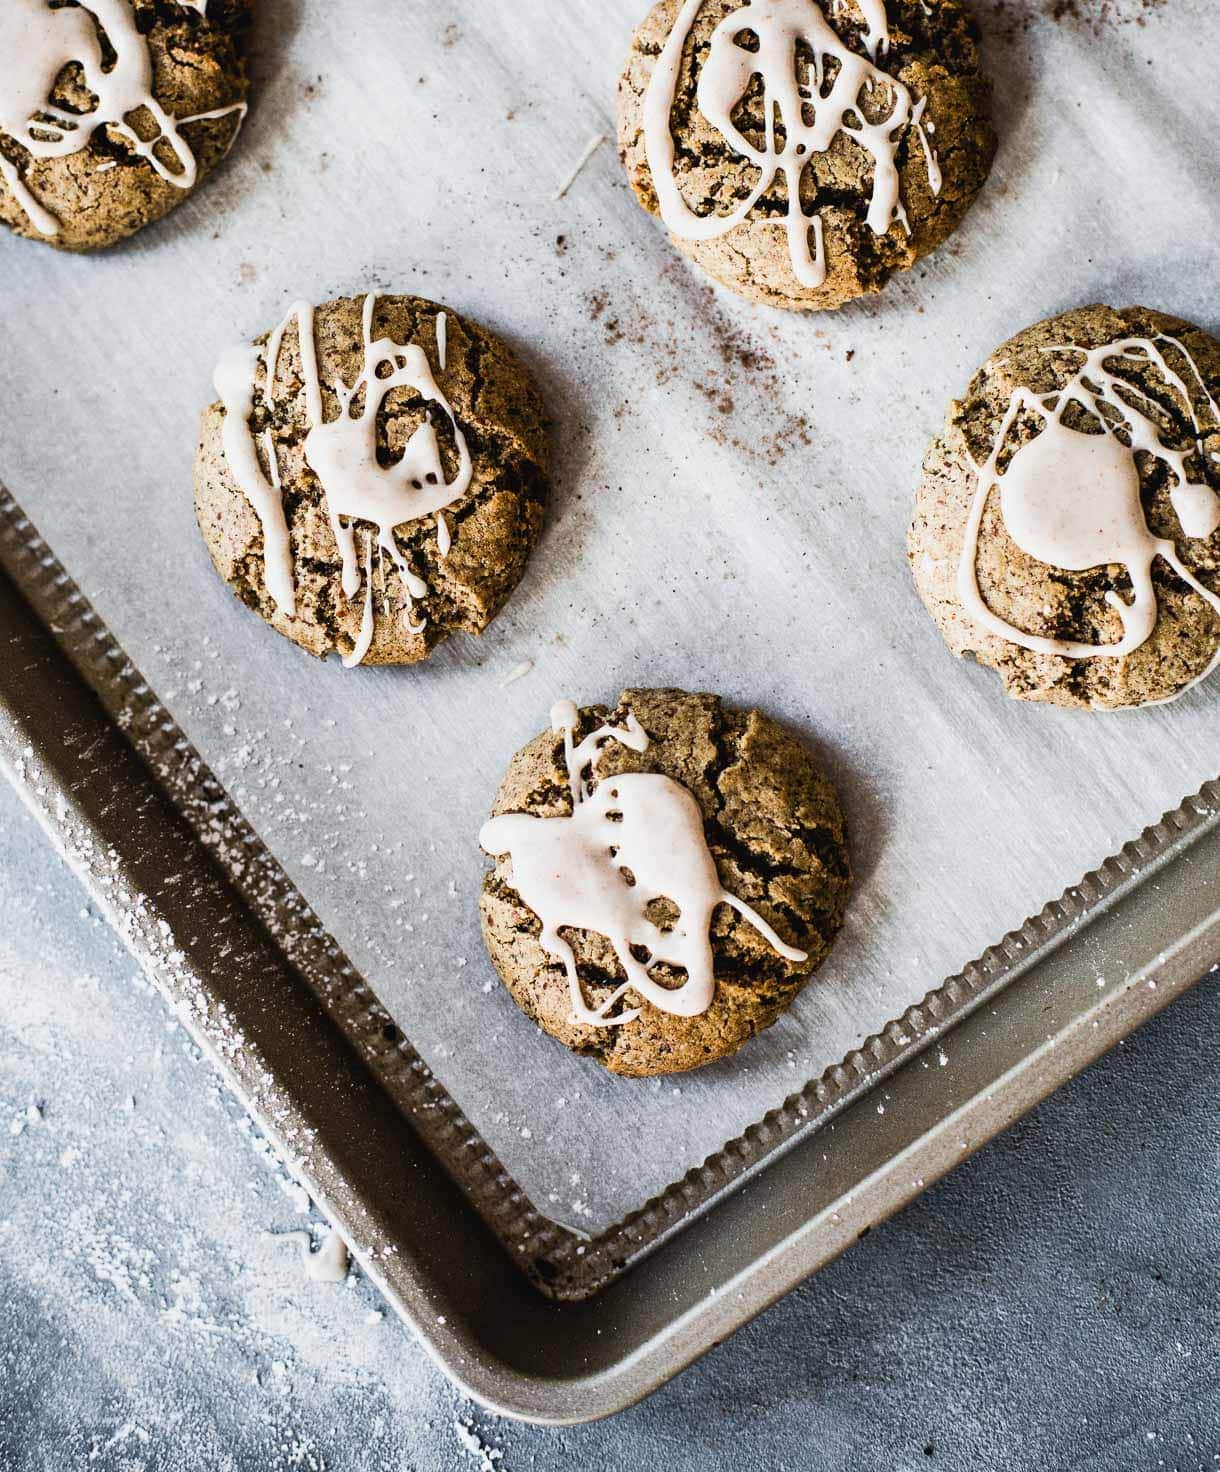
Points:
630	840
1072	499
589	150
724	78
442	340
328	1264
41	218
234	382
877	27
936	179
342	453
36	43
876	24
518	672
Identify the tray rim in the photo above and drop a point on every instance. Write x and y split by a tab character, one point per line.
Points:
841	1091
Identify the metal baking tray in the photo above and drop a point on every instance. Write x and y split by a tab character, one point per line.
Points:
535	1316
424	1205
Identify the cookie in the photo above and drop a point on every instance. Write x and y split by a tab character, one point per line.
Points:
802	152
1067	527
668	876
113	111
373	477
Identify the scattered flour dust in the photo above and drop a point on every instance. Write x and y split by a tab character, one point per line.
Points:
135	1201
314	823
489	1458
128	1431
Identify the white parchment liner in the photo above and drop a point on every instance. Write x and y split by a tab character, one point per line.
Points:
731	500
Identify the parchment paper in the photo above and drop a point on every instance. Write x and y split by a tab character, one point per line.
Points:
732	495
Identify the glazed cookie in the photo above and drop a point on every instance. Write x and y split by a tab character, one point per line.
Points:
1067	527
802	152
373	477
112	111
668	876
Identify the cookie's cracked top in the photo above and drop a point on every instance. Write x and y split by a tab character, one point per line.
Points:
725	879
1067	526
112	111
801	152
373	477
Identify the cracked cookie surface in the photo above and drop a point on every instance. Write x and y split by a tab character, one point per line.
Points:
773	826
494	525
933	51
1047	600
105	191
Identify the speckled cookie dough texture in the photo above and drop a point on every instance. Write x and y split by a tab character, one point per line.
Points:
374	477
113	111
870	113
1067	526
773	826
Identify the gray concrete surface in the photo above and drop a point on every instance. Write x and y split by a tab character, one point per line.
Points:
1051	1305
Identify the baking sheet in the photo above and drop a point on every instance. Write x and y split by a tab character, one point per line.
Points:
731	499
